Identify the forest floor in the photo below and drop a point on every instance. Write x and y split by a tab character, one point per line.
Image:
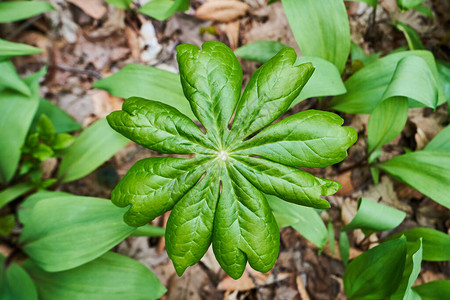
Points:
86	40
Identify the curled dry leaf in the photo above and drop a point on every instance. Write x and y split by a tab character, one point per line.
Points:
93	8
222	10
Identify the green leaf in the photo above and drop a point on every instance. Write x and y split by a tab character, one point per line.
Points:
190	225
269	93
62	122
443	68
109	277
154	185
344	247
307	139
163	9
150	231
94	224
288	183
407	4
11	11
26	208
372	3
45	129
15	283
124	4
9	49
7	224
321	29
216	196
424	10
260	51
42	152
376	77
412	270
159	127
148	83
331	236
303	219
411	36
372	217
357	53
9	79
375	274
212	81
244	227
11	193
17	114
435	243
434	290
93	147
325	81
62	141
386	122
409	168
441	141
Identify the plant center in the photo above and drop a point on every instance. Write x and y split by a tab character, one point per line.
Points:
222	155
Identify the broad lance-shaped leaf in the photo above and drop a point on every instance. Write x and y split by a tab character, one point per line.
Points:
15	283
288	183
9	79
307	139
269	93
244	227
212	80
153	186
9	49
159	127
190	226
11	11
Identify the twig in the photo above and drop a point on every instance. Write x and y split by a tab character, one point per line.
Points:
258	288
75	70
22	27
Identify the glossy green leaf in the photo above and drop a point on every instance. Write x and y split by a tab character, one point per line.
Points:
190	225
212	81
325	81
434	290
62	122
372	216
17	113
93	147
303	219
11	193
11	11
376	273
123	4
9	49
148	83
407	4
290	184
163	9
411	36
154	185
409	168
244	227
412	270
269	93
150	231
441	141
344	247
321	29
95	226
260	51
9	79
376	77
217	195
435	243
15	283
159	127
307	139
109	277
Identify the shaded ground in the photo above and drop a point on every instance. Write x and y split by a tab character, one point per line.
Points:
84	44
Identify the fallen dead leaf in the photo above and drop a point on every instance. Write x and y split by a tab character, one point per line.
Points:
133	42
246	283
221	10
232	31
189	286
347	186
301	288
93	8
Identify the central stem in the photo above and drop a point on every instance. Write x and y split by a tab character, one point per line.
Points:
222	155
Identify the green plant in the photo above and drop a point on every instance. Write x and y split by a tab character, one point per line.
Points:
158	9
217	196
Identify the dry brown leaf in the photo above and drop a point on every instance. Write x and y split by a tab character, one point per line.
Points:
93	8
347	186
232	31
133	42
189	286
301	289
245	283
221	10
